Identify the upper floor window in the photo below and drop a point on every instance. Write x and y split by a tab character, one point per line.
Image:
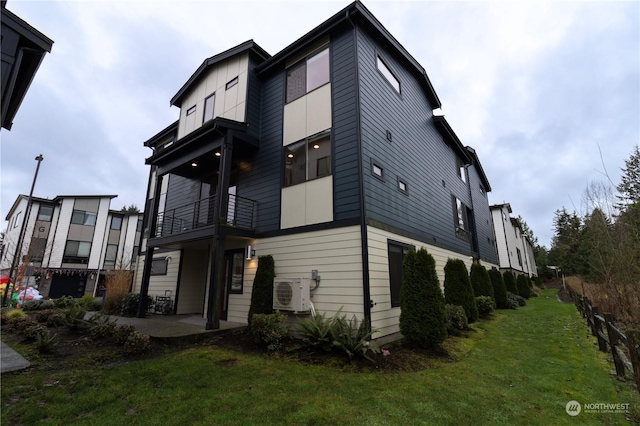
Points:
17	219
461	218
461	169
191	110
76	252
45	213
307	159
139	225
386	72
231	83
307	75
81	217
110	255
116	223
208	107
519	256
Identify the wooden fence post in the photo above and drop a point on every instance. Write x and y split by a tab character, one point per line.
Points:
633	339
613	341
597	325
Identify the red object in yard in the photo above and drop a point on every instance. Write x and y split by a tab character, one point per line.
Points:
4	279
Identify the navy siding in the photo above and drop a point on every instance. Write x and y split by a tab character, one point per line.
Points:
483	220
417	154
344	119
181	191
254	92
262	181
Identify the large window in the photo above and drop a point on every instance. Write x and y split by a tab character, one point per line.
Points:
36	249
81	217
386	72
461	218
159	266
208	107
116	223
76	252
307	75
45	213
397	251
110	255
307	159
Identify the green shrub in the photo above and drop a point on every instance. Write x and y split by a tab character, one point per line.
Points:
55	320
457	288
315	332
486	305
46	343
422	316
43	316
514	301
102	327
73	318
268	330
456	319
90	303
65	302
137	343
480	281
32	331
350	337
31	305
262	292
510	282
15	313
523	286
122	333
499	289
130	303
20	323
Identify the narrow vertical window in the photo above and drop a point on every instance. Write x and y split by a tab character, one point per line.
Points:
397	251
386	72
208	107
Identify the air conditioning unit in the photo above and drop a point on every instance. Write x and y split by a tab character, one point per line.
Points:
291	294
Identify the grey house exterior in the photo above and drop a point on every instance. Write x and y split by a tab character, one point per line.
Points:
326	156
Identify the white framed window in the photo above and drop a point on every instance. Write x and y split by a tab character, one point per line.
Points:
386	72
377	170
307	75
45	213
307	159
209	102
17	219
116	223
231	83
76	252
110	255
81	217
462	172
402	186
191	110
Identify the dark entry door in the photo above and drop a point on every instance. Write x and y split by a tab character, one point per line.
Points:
233	277
67	285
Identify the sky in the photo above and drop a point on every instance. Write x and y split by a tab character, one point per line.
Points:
547	93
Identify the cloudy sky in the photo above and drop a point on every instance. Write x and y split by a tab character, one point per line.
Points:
538	89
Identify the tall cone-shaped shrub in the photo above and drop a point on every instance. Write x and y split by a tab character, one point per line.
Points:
458	290
480	281
422	317
262	293
499	289
510	282
523	286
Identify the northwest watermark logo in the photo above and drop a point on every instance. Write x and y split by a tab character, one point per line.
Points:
573	408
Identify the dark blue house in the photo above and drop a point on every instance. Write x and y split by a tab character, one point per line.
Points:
326	156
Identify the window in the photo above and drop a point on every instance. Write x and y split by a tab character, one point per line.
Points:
191	110
36	249
116	223
208	107
236	267
386	72
519	256
377	170
307	159
80	217
461	218
110	255
461	169
397	251
45	213
76	252
159	266
134	256
402	186
307	75
482	190
231	83
139	225
17	219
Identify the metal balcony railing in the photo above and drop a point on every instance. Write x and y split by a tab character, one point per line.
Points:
241	213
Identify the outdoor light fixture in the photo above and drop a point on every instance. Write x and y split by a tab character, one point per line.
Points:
316	146
250	252
289	155
217	154
194	164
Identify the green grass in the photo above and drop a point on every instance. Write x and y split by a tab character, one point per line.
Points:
521	367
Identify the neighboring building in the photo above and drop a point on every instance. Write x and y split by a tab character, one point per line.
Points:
23	48
71	240
515	250
326	156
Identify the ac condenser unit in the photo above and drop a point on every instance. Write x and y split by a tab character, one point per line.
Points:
291	294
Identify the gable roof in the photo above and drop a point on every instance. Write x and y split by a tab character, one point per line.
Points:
355	11
451	138
476	163
25	197
249	45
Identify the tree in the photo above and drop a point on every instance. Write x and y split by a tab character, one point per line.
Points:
523	286
528	232
499	289
422	316
565	244
481	282
510	282
629	187
131	209
262	293
458	290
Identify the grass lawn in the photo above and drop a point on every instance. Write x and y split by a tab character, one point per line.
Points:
521	367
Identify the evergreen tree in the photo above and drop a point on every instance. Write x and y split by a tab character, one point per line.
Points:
422	316
262	293
629	187
523	286
481	282
510	282
458	290
499	289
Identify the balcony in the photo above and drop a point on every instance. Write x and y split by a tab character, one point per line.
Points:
240	214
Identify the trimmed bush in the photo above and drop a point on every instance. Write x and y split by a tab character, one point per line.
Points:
262	293
65	302
102	327
43	316
268	330
510	282
480	281
514	301
136	343
122	333
37	305
457	288
422	316
456	319
32	331
130	303
499	289
523	286
486	305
